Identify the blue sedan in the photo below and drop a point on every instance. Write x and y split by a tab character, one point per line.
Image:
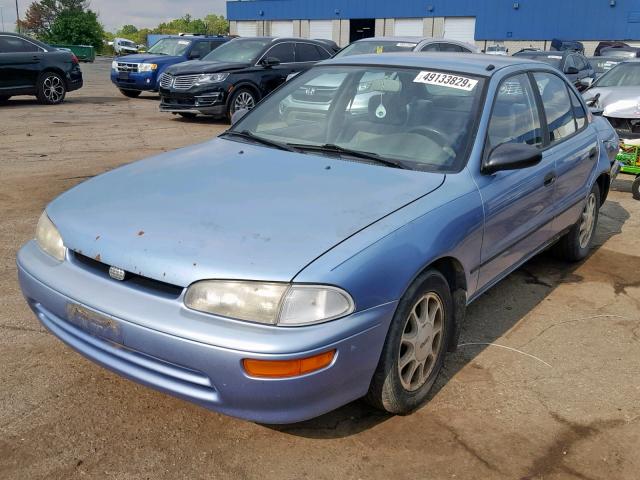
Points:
295	264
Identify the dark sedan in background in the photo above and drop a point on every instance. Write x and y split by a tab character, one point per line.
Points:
30	67
574	65
236	75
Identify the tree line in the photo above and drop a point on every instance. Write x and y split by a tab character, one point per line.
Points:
72	22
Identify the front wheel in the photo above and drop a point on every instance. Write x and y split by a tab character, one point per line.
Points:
51	89
415	347
635	188
242	99
574	246
130	93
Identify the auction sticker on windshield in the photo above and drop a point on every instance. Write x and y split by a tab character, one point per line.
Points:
446	80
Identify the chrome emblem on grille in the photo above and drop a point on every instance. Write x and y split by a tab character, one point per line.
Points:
117	273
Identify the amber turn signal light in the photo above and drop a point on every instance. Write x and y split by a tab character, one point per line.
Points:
287	368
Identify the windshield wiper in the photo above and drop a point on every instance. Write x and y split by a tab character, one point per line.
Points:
332	148
247	135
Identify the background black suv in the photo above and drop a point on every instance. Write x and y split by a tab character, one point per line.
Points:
236	75
30	67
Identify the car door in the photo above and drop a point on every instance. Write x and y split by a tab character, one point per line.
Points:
518	203
19	63
273	76
573	144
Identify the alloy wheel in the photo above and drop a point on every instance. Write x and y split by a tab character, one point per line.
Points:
421	341
53	88
587	221
244	101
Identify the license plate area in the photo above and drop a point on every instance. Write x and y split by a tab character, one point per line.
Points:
94	323
123	76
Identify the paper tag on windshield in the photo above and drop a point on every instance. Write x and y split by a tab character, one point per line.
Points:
555	57
183	42
405	45
446	80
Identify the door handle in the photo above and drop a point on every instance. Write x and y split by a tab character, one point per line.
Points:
593	153
36	58
550	179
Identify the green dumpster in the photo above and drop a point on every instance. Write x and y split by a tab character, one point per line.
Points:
85	53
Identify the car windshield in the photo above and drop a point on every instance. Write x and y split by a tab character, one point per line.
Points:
601	64
417	119
622	75
242	50
127	43
361	48
170	46
553	60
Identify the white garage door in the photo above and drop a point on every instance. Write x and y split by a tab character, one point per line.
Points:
460	28
282	29
321	29
409	27
247	29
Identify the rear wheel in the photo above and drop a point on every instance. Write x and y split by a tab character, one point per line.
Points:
574	246
415	346
130	93
51	89
635	188
242	99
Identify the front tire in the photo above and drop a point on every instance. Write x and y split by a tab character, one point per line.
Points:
51	89
574	246
243	98
130	93
415	348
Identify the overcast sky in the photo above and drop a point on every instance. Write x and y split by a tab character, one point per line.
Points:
141	13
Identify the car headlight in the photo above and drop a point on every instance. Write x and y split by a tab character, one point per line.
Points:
147	67
270	303
211	78
114	65
49	238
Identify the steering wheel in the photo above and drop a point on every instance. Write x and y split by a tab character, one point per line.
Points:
437	137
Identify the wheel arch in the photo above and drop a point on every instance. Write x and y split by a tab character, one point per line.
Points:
604	183
57	70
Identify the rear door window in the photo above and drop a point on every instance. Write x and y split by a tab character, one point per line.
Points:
283	52
557	105
308	52
450	47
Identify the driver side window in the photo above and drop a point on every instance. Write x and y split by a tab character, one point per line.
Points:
515	118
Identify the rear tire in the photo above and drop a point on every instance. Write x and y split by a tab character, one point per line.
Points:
130	93
574	246
415	347
188	115
635	188
51	89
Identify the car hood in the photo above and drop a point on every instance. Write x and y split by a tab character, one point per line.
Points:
229	210
617	102
201	66
150	58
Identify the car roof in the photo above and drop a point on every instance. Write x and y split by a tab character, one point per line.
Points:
394	39
473	63
292	39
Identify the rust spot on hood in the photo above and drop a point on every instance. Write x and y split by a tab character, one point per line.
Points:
98	258
98	238
141	233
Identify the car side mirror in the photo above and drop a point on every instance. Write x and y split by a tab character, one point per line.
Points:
586	82
511	156
269	62
571	70
237	115
597	111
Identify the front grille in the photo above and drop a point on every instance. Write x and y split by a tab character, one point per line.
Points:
127	67
184	82
314	94
166	80
145	283
625	125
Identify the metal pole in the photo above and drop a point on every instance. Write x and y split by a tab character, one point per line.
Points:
2	17
17	17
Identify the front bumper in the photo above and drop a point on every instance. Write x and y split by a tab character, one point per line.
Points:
143	81
156	341
206	102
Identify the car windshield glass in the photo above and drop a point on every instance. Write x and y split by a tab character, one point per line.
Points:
170	46
127	43
553	60
242	50
419	119
623	75
361	48
601	64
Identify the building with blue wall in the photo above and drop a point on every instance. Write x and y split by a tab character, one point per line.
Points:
482	21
